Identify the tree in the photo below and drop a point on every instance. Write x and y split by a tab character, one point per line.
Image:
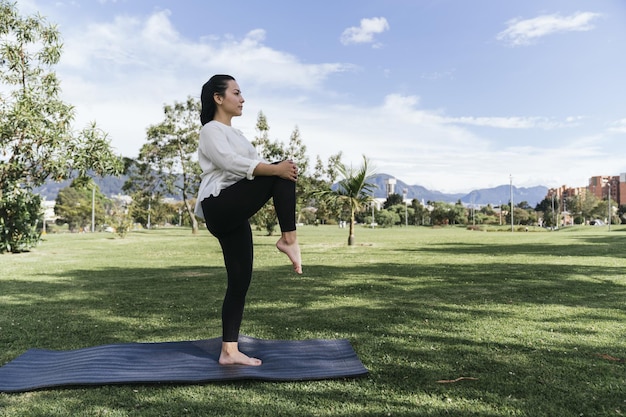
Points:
421	214
36	137
148	209
442	213
273	151
324	176
353	190
621	213
168	158
549	208
521	216
488	210
119	218
458	214
20	211
588	207
574	204
602	209
296	151
392	200
387	218
486	215
405	214
73	205
266	218
144	186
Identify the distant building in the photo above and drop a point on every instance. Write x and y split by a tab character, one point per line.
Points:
605	186
562	193
601	186
48	210
391	186
621	194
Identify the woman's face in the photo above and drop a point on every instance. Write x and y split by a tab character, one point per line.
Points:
232	101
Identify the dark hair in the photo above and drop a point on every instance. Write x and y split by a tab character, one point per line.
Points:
216	84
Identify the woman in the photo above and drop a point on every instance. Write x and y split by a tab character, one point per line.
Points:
236	183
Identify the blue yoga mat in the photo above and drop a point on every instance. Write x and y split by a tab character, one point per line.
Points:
180	362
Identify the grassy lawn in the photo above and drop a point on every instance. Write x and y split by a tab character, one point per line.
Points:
537	320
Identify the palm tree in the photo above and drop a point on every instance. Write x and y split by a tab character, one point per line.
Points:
353	190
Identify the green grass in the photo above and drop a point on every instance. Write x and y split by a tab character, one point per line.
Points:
526	314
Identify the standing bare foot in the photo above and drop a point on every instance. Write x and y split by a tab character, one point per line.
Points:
231	355
288	244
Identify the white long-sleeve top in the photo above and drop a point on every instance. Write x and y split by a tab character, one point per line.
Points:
225	157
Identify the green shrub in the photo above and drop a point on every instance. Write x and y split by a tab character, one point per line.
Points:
20	213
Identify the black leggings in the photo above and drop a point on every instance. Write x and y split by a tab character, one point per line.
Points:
226	217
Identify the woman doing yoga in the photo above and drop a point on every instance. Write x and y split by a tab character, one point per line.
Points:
235	184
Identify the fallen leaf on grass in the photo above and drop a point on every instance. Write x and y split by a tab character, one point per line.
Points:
452	381
610	358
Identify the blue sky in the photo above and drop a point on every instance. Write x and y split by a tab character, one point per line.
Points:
453	95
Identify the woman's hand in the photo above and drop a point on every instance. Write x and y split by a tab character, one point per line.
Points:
287	170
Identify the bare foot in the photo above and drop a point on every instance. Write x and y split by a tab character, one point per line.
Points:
291	248
231	355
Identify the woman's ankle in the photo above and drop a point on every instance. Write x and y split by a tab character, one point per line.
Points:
289	237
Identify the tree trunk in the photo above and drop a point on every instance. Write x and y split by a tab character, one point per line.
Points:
351	228
192	217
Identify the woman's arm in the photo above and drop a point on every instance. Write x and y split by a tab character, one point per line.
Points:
227	150
284	169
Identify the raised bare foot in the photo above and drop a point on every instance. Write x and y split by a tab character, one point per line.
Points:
230	357
291	248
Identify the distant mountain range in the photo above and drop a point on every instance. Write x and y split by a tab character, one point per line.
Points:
109	186
495	196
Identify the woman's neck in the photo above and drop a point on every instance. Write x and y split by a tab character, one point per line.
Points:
222	118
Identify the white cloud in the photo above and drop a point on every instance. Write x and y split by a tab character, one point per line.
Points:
618	126
365	32
513	122
27	7
524	32
439	75
132	45
121	72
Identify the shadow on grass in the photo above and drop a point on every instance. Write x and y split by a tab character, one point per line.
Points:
412	325
581	246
